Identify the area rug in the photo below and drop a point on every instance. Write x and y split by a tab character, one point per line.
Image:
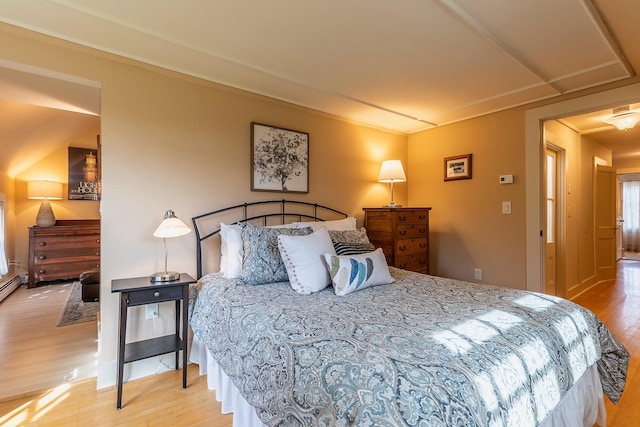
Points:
76	310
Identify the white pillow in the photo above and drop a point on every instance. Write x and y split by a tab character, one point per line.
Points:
231	251
340	224
351	273
303	259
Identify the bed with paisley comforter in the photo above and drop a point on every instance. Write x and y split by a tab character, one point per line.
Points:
420	351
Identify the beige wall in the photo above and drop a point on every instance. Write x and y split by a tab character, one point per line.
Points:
169	142
468	230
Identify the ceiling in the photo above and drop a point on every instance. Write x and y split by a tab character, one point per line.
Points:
404	66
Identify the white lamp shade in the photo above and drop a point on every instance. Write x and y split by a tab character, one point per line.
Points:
44	190
171	226
392	171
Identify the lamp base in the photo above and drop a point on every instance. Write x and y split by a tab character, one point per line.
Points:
392	205
165	276
45	217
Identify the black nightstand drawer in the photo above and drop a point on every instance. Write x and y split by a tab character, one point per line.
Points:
149	296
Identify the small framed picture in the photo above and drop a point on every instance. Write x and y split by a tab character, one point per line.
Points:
457	167
279	159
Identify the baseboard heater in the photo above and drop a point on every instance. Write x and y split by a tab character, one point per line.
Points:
9	282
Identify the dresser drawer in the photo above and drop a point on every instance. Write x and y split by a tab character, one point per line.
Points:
411	246
151	295
66	242
411	217
70	256
411	231
417	262
58	271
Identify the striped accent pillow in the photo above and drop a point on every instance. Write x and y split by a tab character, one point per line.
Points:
352	248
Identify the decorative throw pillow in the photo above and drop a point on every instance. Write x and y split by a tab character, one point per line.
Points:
340	224
303	259
351	242
231	251
352	273
262	262
352	249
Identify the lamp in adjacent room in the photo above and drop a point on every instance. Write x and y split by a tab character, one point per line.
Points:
171	226
45	191
392	171
623	118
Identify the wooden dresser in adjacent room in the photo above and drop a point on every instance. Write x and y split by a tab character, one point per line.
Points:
403	235
63	251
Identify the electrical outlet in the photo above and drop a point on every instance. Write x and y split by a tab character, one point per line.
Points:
477	274
152	311
506	208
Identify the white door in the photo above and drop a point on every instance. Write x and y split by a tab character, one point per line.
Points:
551	225
605	222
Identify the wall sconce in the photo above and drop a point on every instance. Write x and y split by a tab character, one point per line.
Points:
171	226
392	171
623	118
45	191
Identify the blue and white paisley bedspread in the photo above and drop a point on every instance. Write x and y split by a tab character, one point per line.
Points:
424	351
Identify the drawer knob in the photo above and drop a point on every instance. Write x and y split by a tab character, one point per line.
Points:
42	271
423	217
423	245
42	257
423	230
97	240
42	243
156	294
402	232
403	248
402	217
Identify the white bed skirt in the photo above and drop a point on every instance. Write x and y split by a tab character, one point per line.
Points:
581	406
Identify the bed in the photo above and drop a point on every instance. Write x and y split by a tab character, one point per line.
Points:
400	348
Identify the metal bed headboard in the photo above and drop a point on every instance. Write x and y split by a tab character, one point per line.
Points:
264	212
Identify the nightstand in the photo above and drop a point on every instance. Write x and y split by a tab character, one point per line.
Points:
141	291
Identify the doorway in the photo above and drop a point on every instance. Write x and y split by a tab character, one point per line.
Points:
555	207
535	169
629	217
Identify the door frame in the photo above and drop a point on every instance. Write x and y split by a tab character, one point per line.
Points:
534	171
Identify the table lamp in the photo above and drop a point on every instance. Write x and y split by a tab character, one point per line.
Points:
392	171
171	226
45	191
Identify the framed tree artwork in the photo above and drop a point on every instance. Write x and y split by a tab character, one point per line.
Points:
279	159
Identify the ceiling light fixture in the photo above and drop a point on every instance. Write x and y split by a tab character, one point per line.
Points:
623	118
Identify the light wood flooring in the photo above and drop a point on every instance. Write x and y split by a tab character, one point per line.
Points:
159	399
34	352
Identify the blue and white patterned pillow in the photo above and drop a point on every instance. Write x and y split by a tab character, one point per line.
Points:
261	261
354	272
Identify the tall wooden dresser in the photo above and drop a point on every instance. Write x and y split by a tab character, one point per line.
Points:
403	235
63	251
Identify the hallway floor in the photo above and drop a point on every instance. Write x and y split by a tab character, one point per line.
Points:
617	304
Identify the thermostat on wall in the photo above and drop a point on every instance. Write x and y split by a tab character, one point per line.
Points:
506	179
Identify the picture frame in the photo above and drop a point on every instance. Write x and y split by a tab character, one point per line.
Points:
457	167
279	159
84	174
